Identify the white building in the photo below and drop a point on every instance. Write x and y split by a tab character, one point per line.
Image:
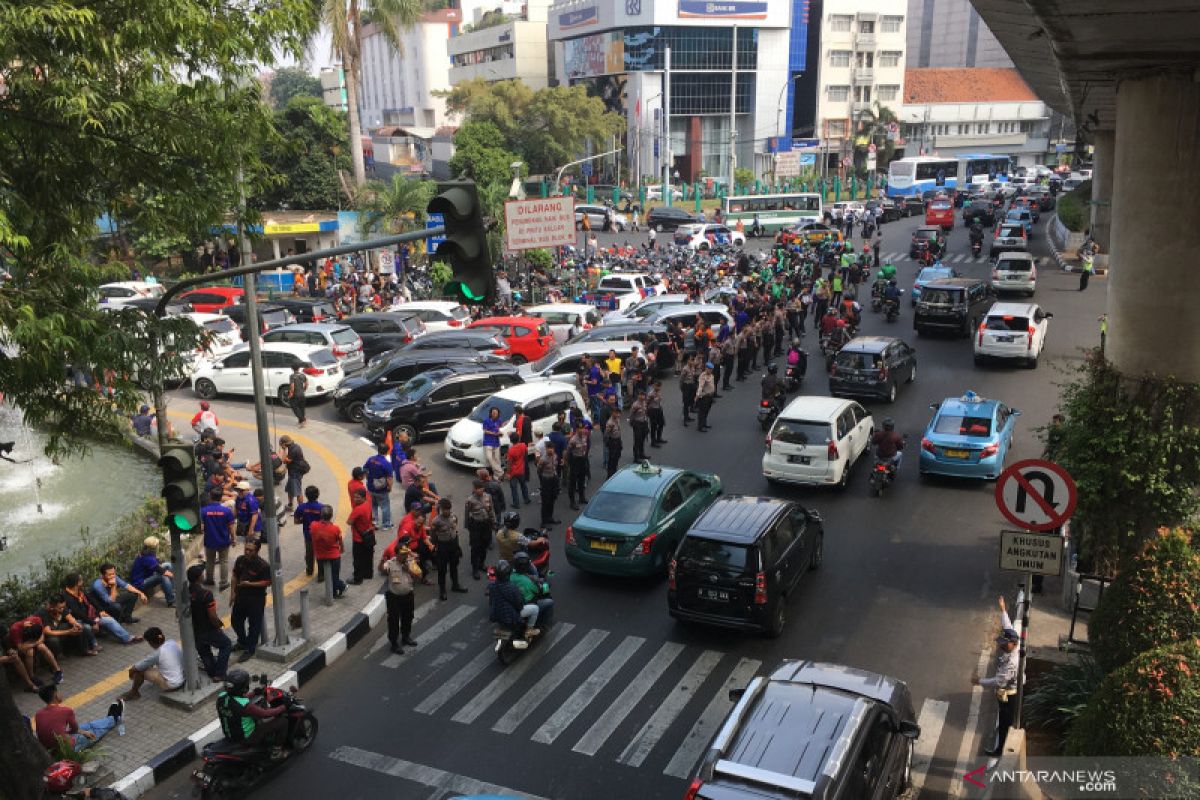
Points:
860	66
499	46
333	87
952	112
620	50
398	90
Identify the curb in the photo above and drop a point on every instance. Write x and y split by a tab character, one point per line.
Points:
177	757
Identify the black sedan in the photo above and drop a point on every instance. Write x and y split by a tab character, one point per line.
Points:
668	218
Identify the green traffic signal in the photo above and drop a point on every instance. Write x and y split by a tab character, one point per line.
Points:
465	245
181	487
462	292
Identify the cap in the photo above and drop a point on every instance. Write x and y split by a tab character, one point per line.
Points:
416	505
1008	635
151	542
709	365
243	485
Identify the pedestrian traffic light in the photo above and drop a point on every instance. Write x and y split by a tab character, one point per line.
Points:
180	487
465	245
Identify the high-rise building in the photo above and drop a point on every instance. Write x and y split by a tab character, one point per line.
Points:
500	45
950	33
400	89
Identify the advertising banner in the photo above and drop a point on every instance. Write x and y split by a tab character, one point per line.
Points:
598	54
723	9
578	18
543	222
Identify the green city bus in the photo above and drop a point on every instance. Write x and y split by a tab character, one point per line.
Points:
775	211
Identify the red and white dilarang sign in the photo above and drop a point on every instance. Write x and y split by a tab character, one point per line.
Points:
541	222
1036	495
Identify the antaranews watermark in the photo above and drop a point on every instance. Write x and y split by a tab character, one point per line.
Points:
1085	778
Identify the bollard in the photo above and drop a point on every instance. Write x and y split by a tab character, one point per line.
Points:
304	614
328	587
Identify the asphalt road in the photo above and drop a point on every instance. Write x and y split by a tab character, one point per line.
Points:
623	700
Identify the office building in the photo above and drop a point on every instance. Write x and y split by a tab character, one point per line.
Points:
950	33
501	46
400	89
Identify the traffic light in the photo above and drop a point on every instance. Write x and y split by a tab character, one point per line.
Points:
180	487
465	245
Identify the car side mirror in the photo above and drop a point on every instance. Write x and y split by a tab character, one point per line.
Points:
1016	412
934	406
1048	315
909	730
736	694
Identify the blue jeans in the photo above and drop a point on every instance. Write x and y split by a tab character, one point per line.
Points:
521	482
381	509
114	629
154	581
97	728
214	665
334	567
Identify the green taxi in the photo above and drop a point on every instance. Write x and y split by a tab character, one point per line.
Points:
633	524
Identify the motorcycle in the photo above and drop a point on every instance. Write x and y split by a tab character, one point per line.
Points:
757	231
793	376
976	248
882	474
891	309
768	410
233	768
538	549
877	294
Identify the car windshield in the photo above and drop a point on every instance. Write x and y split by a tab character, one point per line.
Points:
705	552
275	317
345	336
925	234
940	205
795	431
932	274
946	297
1014	231
223	325
621	508
1007	323
1014	264
483	409
323	358
546	360
958	425
414	388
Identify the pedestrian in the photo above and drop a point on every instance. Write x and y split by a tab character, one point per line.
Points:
83	610
729	351
362	535
212	645
398	572
1004	681
163	667
688	377
148	573
639	421
548	465
378	475
743	355
114	595
578	447
651	238
517	480
1087	266
658	420
447	548
297	385
55	723
307	513
494	490
1103	320
480	517
491	436
248	598
297	468
612	440
328	546
248	511
217	519
706	389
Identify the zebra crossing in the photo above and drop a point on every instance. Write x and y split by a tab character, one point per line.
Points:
641	704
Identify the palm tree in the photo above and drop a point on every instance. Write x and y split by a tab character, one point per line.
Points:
394	204
345	19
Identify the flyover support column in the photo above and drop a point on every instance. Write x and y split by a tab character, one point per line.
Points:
1152	289
1103	161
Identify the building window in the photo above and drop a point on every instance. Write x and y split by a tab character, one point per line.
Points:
839	58
891	24
866	26
862	94
888	93
983	128
839	94
864	60
840	23
889	58
1028	127
835	128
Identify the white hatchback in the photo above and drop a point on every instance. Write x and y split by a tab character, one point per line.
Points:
704	236
1014	331
231	374
816	441
561	317
1015	271
542	401
438	315
116	295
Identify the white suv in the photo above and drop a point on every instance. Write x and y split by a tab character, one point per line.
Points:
1015	271
705	235
816	441
1012	331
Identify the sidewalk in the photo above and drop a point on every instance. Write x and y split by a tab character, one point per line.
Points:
153	726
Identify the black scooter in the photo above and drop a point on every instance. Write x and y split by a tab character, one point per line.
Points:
768	410
234	768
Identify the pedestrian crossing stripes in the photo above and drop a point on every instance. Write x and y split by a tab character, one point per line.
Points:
587	691
509	677
713	715
520	711
641	744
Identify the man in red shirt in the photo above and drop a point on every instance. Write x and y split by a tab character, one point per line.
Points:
517	454
327	549
362	531
356	483
56	720
413	535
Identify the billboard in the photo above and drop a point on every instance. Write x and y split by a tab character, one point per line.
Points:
578	18
542	222
723	9
598	54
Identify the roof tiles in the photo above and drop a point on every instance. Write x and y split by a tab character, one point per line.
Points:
958	85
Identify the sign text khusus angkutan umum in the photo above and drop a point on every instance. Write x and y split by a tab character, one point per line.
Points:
541	222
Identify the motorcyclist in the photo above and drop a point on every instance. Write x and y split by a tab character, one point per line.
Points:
889	445
243	720
756	227
534	588
508	607
887	272
892	292
797	359
851	311
829	322
771	390
976	233
509	538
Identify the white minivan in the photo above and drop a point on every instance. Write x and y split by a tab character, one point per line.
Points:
541	402
1015	271
1013	331
816	441
561	317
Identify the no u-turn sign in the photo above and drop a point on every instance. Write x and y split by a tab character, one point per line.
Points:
1036	495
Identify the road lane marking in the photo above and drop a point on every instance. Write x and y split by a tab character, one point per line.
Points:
432	633
932	720
598	734
702	730
967	746
586	692
447	782
640	746
511	674
519	711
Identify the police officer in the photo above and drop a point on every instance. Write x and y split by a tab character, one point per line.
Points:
1004	681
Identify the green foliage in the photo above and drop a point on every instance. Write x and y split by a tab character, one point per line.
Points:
292	82
306	157
1154	601
1149	707
1073	207
1062	693
479	154
64	750
1133	448
539	259
743	176
21	595
439	273
396	206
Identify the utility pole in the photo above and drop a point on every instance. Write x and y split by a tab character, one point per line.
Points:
733	113
667	126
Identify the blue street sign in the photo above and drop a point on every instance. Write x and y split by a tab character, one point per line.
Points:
434	221
585	169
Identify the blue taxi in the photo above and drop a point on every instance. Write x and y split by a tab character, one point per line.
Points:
1021	216
968	437
929	275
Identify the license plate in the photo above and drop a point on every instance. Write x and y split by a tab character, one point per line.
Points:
798	459
458	453
1004	338
720	595
606	547
956	453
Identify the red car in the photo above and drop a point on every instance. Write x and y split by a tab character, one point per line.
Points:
528	338
211	299
940	212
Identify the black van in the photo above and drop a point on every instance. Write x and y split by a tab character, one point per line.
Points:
352	394
952	304
739	562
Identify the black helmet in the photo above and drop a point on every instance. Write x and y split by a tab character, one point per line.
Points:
771	368
889	424
504	571
521	558
511	520
237	681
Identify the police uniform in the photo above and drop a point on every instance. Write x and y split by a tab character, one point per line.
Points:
1004	682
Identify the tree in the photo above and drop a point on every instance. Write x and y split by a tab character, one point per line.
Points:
398	205
291	82
146	110
872	129
480	155
305	156
345	21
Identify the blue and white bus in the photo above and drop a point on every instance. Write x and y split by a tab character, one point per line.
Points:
919	174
